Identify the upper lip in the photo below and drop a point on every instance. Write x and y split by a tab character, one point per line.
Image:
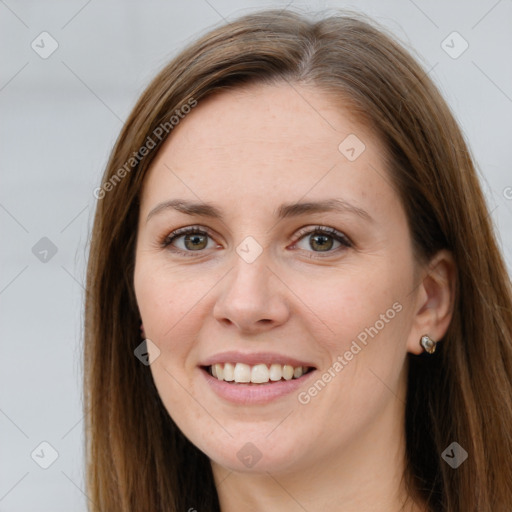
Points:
255	358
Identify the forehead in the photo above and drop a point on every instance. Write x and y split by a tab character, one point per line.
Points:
265	142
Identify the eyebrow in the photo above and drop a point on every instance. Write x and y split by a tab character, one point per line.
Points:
286	210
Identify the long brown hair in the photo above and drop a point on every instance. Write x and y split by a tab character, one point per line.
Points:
137	459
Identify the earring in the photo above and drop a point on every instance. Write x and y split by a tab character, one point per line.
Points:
428	344
142	333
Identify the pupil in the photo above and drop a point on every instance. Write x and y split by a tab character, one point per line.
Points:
321	239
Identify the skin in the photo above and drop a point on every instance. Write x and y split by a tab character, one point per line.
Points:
248	151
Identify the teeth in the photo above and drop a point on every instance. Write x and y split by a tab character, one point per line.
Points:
287	372
229	372
276	372
218	371
242	372
257	374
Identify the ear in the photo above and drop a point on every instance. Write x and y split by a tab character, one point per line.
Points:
435	299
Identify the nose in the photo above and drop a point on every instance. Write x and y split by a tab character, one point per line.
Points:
252	298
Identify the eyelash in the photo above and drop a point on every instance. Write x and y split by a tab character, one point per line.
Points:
317	230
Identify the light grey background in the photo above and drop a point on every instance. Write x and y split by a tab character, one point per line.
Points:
59	119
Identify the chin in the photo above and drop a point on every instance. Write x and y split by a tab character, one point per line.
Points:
257	456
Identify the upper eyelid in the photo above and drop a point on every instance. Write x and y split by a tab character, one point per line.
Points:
178	232
322	229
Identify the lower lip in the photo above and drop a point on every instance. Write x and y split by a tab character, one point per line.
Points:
249	394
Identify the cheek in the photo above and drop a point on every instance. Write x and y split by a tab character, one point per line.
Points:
362	325
355	306
166	301
368	319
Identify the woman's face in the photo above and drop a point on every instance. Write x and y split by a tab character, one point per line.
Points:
301	258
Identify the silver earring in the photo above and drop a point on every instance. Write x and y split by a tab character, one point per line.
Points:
428	344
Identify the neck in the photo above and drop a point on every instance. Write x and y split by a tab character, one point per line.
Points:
316	489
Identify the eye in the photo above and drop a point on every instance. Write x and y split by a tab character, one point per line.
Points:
194	239
322	239
189	239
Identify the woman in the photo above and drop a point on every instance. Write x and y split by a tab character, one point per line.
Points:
292	221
